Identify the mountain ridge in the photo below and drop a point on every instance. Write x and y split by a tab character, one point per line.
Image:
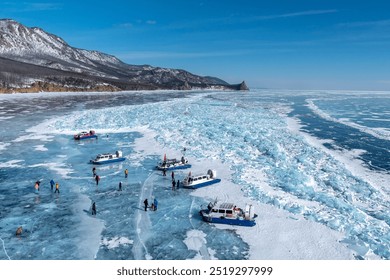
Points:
32	59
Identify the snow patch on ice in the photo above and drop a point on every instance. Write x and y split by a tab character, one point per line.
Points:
41	148
41	137
116	242
3	146
195	239
59	167
6	118
11	164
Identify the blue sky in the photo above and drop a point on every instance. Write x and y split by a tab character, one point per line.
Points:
272	44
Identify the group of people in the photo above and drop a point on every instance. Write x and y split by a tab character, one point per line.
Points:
153	207
52	184
97	179
175	185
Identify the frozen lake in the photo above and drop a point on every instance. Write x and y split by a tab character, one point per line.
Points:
315	165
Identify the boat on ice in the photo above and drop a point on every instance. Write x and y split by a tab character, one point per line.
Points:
171	164
108	158
85	135
228	213
198	181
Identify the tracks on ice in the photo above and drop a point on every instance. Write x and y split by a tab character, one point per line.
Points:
5	251
142	220
202	250
143	224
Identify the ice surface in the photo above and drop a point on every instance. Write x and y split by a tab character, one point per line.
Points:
302	184
363	114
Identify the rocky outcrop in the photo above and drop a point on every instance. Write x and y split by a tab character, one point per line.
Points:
243	86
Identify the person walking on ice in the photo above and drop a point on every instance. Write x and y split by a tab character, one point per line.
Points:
146	203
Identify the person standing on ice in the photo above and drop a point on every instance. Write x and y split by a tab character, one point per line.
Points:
120	186
146	203
57	188
94	208
164	172
97	179
126	173
173	184
52	184
155	204
173	175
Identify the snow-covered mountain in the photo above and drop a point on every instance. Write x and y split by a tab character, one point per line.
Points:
31	57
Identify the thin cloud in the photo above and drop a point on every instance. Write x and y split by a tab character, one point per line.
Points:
42	6
375	23
247	19
31	7
296	14
125	25
137	24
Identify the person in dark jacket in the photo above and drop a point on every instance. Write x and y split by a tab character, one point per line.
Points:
120	186
52	184
97	179
173	184
94	208
146	203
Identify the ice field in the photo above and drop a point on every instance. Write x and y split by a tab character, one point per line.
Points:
314	163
